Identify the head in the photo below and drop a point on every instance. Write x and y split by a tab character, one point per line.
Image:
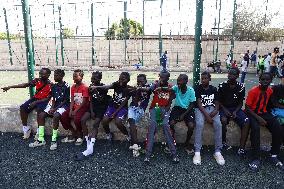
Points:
166	52
44	74
233	75
276	50
182	80
78	76
141	80
124	78
265	79
205	78
248	51
164	77
96	77
58	75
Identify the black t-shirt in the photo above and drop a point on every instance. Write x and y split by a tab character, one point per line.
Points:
120	94
278	94
99	97
231	97
207	96
60	93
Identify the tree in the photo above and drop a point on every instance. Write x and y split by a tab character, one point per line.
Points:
251	24
67	33
116	31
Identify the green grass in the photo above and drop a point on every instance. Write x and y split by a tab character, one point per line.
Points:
18	96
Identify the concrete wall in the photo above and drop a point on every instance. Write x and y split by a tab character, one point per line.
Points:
45	51
10	122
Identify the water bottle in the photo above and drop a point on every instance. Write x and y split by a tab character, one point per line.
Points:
158	112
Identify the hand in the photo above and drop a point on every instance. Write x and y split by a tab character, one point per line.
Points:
213	113
5	89
32	105
51	111
261	121
158	89
113	115
234	114
209	119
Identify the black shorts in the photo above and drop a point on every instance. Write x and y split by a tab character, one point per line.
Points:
177	111
99	111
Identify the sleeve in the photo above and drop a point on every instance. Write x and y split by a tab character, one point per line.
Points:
175	89
85	91
33	82
215	92
153	86
197	92
220	92
192	95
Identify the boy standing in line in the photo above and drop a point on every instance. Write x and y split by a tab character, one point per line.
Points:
256	108
207	109
60	94
183	109
38	102
79	105
231	95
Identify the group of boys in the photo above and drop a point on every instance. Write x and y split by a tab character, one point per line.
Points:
193	106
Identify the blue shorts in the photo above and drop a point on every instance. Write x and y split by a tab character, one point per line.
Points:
241	118
39	107
135	113
122	113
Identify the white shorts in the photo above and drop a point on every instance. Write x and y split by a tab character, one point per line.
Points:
135	113
59	110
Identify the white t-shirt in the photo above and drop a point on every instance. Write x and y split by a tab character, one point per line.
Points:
244	66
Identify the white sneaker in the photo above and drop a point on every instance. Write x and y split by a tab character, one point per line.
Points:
67	140
197	158
27	134
219	158
37	144
135	149
79	142
53	146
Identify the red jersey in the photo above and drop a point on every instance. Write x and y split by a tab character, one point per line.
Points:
79	93
161	97
257	101
43	90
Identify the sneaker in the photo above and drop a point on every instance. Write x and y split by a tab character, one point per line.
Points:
37	144
135	149
189	150
147	160
219	158
275	161
175	159
27	134
53	146
68	140
241	152
79	142
254	165
226	146
197	158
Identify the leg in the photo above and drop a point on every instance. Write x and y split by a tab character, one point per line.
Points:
151	133
224	121
66	122
120	126
133	131
94	131
77	121
243	121
105	122
217	133
168	134
190	129
199	121
84	119
55	120
41	123
255	138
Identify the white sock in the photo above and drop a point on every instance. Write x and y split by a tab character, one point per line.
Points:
26	128
88	141
197	153
90	148
273	156
37	130
218	153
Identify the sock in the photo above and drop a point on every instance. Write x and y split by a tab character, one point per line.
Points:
90	148
26	128
37	131
54	135
41	133
197	153
273	156
88	141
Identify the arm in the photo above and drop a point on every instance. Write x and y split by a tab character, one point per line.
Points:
203	111
190	107
85	100
106	87
216	110
71	106
22	85
260	120
39	101
172	96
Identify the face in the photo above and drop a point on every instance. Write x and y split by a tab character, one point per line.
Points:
43	75
141	81
265	80
123	80
77	78
233	75
181	82
164	78
95	78
277	50
205	80
57	77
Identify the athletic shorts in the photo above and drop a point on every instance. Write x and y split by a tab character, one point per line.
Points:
99	111
121	114
177	111
59	110
39	107
241	118
135	113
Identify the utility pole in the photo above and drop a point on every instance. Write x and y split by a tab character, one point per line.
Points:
8	37
233	31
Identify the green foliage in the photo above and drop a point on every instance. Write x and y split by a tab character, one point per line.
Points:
116	31
3	36
67	33
252	24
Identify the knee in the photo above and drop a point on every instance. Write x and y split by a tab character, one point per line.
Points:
118	121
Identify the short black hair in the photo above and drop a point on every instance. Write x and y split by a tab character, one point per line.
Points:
206	73
266	73
60	72
183	76
126	74
100	74
165	72
236	69
81	73
47	70
142	75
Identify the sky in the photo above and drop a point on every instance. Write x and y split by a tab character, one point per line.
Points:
175	19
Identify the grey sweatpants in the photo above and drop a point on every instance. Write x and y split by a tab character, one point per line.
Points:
200	119
152	130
